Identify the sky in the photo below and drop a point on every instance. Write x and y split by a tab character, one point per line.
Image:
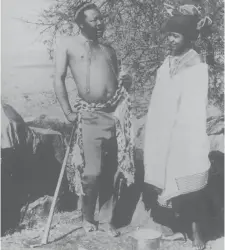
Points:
21	43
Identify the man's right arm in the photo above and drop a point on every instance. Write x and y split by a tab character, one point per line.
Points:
61	65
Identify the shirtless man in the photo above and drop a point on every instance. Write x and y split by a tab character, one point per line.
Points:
94	68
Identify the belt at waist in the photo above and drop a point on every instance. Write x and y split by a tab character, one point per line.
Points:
98	118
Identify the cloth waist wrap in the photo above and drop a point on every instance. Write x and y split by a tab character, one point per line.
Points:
124	135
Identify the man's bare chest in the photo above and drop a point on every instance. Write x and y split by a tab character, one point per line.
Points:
81	54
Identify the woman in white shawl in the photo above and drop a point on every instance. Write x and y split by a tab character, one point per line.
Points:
176	144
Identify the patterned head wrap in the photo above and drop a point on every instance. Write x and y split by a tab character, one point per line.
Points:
185	20
185	25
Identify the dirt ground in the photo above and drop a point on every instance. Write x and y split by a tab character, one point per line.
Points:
30	92
66	234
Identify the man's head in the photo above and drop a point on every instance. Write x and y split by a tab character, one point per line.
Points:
89	19
181	31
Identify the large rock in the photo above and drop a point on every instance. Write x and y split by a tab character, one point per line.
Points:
52	135
16	165
59	124
32	163
54	142
37	210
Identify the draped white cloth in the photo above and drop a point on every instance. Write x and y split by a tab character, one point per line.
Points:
176	144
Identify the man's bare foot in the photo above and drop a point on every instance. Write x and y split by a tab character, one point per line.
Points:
89	227
109	229
197	243
175	237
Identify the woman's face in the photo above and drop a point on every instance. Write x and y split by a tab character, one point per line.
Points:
177	43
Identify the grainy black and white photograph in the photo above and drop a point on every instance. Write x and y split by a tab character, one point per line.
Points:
112	124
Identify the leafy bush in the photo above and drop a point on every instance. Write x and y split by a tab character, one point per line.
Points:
133	29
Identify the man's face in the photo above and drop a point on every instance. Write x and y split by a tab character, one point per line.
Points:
177	43
93	24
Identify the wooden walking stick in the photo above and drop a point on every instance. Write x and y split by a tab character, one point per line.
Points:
48	225
47	228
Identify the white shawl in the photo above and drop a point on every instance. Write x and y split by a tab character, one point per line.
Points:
176	144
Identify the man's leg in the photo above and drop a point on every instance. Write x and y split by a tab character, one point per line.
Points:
92	145
99	144
107	192
90	188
